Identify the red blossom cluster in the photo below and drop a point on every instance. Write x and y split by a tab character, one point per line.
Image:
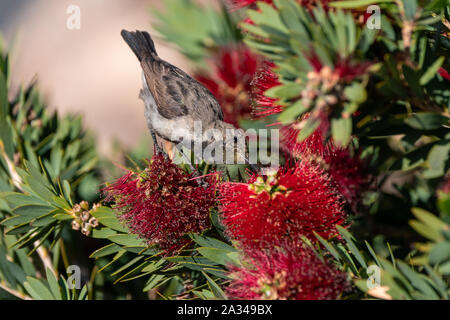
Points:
286	274
163	203
264	80
444	73
230	81
445	185
344	165
286	205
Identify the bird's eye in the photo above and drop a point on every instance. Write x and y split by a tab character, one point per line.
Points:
235	139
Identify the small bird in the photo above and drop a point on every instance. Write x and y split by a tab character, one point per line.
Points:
175	102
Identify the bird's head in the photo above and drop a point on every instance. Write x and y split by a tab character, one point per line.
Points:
233	143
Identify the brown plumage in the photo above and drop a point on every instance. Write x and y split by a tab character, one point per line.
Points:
173	100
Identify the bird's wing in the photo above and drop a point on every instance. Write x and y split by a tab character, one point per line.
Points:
177	94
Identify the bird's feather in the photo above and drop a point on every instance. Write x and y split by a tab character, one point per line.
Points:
177	94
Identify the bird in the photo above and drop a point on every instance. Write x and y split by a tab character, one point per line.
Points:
175	104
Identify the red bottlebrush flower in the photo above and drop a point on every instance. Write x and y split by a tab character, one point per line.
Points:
288	204
345	167
444	73
344	70
286	274
264	80
233	71
350	173
315	144
163	203
445	185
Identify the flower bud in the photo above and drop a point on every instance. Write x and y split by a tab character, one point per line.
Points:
93	222
86	230
75	225
85	216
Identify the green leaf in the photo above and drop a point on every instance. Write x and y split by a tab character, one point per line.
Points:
286	91
291	113
410	9
341	129
4	104
427	121
16	199
33	210
37	289
429	219
215	288
356	93
105	251
308	129
437	161
425	230
128	240
444	269
328	246
432	71
83	293
439	253
417	281
211	242
268	16
216	255
154	281
351	245
356	3
53	284
108	218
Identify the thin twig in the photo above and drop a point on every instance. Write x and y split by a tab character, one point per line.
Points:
45	258
15	293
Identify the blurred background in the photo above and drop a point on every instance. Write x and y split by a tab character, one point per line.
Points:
89	71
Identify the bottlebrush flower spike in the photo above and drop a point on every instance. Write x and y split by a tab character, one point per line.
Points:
286	274
445	185
264	80
230	81
348	170
163	203
287	204
344	165
444	73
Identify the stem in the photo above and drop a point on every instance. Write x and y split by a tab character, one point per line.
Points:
15	293
45	258
91	283
64	254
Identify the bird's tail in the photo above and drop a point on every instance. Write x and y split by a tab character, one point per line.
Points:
140	42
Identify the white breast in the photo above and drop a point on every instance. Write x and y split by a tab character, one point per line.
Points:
175	130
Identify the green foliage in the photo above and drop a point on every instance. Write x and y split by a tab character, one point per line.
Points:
412	99
397	111
53	288
418	279
202	28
